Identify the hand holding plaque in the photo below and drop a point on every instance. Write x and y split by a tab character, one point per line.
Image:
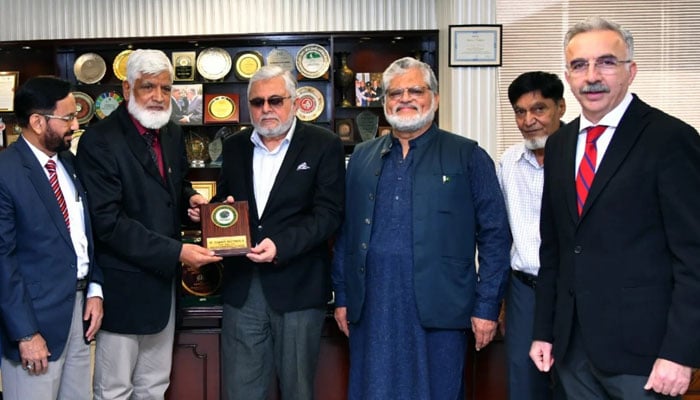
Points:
225	228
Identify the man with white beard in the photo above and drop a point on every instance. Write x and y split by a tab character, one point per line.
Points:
134	166
419	202
538	102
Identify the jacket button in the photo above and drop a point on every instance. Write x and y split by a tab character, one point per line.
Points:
362	270
364	246
577	250
367	221
371	196
259	227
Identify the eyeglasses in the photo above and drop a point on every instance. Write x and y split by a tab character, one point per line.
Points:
67	118
273	101
413	92
604	65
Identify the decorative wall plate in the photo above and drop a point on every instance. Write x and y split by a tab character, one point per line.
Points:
247	64
311	103
281	58
313	61
106	103
119	64
85	107
89	68
213	63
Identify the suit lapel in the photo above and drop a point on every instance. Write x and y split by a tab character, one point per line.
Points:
138	146
570	139
624	138
36	175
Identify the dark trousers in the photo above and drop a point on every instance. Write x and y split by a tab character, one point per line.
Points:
258	342
582	381
525	381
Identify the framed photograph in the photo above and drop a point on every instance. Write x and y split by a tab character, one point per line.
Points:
187	104
345	129
205	188
368	89
475	45
8	85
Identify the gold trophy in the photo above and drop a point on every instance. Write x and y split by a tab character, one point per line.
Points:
197	150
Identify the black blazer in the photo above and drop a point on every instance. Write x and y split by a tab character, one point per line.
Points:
137	217
303	211
629	268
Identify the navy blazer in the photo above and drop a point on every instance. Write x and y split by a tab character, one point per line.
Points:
629	267
303	211
137	219
38	263
449	221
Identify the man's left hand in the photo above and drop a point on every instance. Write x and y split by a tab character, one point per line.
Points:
265	251
669	378
484	331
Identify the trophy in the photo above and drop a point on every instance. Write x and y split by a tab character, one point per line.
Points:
344	77
367	124
197	150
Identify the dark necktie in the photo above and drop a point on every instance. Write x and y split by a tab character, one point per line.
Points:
150	137
53	180
586	170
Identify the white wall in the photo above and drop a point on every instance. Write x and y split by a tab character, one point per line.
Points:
467	95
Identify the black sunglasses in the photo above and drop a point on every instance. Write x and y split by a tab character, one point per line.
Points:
274	101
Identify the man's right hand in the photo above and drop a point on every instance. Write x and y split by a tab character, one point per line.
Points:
195	256
541	355
341	318
34	355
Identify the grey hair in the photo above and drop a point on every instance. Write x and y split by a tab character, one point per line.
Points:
273	71
149	62
601	24
401	65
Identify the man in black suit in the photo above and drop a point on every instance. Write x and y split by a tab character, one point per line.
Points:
134	166
292	175
618	292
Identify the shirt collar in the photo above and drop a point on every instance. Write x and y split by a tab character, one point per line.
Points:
139	127
257	141
611	119
40	155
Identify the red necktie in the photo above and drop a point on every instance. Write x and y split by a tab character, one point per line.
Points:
53	180
586	170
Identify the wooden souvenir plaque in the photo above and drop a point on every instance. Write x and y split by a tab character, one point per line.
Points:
225	228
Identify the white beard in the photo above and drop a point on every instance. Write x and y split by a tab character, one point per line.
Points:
411	124
279	130
536	143
149	119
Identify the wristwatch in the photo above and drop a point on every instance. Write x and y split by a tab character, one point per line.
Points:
27	338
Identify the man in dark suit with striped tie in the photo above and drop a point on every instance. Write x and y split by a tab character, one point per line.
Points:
50	285
618	291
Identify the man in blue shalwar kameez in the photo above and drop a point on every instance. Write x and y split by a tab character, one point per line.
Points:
419	203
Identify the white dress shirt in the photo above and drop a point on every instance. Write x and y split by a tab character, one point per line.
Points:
266	165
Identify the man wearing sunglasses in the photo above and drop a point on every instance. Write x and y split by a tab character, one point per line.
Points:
51	288
419	203
292	175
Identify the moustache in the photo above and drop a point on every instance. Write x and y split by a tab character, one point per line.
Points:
597	87
401	106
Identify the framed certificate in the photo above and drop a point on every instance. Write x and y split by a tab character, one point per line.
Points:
475	45
8	85
205	188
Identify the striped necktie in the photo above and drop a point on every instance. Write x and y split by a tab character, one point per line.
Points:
586	169
53	180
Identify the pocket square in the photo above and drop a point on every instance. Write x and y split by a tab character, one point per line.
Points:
303	166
